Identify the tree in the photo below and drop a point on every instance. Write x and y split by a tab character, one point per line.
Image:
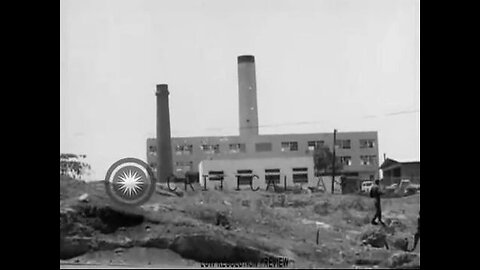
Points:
73	165
323	159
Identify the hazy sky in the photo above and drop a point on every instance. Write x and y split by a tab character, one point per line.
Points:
350	65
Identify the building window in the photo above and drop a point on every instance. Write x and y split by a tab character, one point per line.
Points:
210	148
184	163
300	175
183	149
152	150
244	177
215	175
184	166
312	145
368	160
263	147
289	146
367	143
346	160
343	144
237	148
272	175
397	172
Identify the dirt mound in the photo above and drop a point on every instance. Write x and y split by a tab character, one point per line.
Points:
70	187
356	203
208	248
196	227
323	208
71	247
86	218
395	225
136	256
374	236
331	204
404	260
400	243
356	218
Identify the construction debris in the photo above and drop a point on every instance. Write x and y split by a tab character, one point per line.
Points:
83	198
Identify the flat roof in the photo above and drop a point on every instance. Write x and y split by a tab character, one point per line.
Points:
276	135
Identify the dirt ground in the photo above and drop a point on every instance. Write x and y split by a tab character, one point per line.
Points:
232	226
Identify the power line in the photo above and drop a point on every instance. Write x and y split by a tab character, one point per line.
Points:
308	122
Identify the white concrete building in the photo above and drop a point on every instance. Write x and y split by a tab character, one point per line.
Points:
299	171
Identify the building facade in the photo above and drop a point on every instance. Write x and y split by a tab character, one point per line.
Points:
394	171
358	151
282	171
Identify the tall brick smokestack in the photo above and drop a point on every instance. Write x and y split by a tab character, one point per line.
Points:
247	96
164	144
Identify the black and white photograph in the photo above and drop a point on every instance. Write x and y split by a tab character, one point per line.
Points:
240	134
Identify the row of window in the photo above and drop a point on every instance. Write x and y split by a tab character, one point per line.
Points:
299	175
345	160
364	160
187	149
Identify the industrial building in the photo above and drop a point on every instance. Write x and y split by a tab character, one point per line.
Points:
358	151
276	169
394	171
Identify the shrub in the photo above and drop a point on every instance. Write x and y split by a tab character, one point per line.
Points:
322	208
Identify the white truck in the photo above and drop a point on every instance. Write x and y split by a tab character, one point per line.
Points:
402	187
366	186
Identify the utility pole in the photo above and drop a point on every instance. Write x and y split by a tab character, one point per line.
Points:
333	165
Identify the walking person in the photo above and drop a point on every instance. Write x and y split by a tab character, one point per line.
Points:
417	234
376	193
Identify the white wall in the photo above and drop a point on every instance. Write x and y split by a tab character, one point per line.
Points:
258	166
327	181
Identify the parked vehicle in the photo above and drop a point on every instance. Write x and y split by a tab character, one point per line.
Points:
391	189
366	186
392	186
412	188
402	187
405	182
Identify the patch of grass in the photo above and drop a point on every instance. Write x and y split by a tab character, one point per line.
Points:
322	208
356	219
356	202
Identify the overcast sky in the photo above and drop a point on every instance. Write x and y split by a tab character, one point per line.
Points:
350	65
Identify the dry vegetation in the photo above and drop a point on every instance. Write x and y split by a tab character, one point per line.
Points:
253	224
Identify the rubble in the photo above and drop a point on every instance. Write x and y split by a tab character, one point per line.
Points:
84	198
374	236
224	225
223	221
400	243
246	203
404	260
322	208
165	193
73	246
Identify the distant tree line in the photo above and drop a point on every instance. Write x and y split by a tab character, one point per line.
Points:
323	162
73	165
